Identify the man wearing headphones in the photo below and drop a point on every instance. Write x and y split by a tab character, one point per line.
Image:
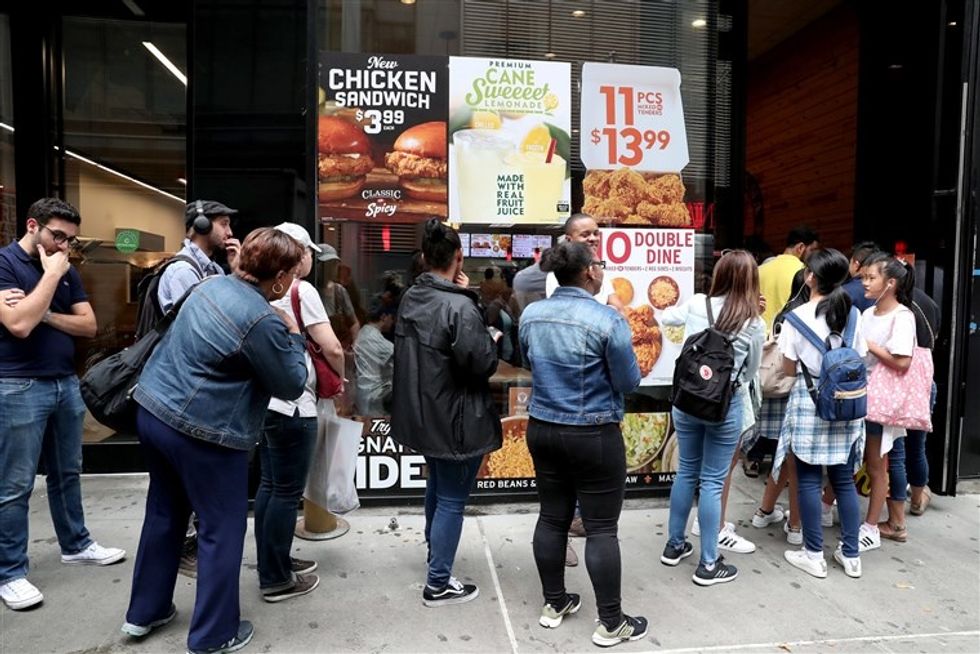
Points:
208	229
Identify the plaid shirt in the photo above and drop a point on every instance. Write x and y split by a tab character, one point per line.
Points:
771	416
813	440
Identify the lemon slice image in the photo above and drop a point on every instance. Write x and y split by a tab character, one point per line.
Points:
537	140
485	120
550	102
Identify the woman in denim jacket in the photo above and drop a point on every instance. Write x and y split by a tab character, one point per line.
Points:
706	448
582	362
202	398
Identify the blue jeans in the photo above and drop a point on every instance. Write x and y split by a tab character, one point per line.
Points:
446	492
916	463
40	419
285	452
706	450
187	473
810	488
897	479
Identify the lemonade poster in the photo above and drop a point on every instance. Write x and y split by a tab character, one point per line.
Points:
509	126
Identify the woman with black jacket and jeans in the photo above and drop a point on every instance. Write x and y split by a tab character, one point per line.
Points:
441	406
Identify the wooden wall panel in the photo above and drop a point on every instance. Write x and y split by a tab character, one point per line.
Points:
802	130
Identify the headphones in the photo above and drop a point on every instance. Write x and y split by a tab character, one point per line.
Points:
201	223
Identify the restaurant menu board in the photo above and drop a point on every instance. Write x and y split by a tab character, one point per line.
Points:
493	246
524	245
651	270
464	241
634	145
510	125
382	137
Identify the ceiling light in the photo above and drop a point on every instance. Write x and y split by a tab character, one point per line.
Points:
169	65
699	22
895	67
133	7
6	127
578	13
951	23
182	181
408	2
549	55
75	155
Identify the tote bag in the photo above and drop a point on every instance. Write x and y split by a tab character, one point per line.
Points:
330	483
902	398
775	382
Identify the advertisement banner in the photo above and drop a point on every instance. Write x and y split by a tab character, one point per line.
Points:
651	270
381	137
634	145
510	143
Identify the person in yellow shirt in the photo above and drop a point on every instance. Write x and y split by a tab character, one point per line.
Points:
776	274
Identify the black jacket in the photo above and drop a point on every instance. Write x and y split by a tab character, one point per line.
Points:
444	357
927	319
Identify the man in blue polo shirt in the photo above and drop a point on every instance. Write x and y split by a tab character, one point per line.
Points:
43	310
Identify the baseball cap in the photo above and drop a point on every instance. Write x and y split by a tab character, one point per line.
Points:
210	208
299	233
327	253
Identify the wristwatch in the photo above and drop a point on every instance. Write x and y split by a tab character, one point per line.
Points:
47	317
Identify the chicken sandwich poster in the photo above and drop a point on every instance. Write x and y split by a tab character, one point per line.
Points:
381	137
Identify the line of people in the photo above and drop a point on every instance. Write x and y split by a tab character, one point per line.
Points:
233	373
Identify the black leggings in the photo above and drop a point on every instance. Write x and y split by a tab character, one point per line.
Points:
587	464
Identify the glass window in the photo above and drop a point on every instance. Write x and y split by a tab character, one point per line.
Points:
8	185
124	108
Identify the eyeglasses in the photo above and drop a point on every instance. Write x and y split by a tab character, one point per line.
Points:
601	264
60	237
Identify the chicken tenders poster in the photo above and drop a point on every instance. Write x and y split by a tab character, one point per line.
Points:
510	144
651	270
634	145
381	137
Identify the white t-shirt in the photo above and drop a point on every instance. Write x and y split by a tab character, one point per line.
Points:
894	331
311	308
796	347
551	283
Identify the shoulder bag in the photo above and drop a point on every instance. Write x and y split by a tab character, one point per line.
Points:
902	399
328	382
775	382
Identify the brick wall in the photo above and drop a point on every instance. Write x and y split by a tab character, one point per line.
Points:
802	129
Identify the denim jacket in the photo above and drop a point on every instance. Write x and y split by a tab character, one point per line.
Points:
581	357
214	371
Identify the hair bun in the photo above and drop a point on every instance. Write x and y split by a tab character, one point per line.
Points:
435	230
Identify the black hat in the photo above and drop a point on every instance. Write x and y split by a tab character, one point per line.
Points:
210	208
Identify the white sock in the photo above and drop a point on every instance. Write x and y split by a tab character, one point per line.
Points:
870	527
814	556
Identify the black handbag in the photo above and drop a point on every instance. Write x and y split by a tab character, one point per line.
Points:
107	387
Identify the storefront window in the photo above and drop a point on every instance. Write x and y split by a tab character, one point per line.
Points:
563	49
8	185
124	108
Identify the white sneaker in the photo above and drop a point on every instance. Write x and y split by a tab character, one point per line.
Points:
20	594
869	538
794	535
762	520
732	542
95	554
800	559
852	566
827	515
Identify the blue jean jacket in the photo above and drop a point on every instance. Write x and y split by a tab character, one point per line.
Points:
580	353
224	357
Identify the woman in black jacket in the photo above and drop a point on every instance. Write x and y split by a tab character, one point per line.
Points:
441	406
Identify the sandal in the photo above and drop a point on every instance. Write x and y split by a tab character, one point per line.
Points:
920	508
896	533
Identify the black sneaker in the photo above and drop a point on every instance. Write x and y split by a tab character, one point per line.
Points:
630	629
719	573
551	617
301	567
672	554
188	557
243	638
304	584
452	593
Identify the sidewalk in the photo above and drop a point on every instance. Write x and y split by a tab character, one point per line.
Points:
920	596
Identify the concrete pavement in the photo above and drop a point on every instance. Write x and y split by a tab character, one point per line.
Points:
920	596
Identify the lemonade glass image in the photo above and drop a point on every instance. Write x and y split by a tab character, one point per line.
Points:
480	159
544	183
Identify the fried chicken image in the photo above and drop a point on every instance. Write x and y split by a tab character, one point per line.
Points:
411	165
344	166
665	215
633	198
665	189
647	338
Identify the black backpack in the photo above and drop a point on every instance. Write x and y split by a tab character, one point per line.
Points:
703	384
148	309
